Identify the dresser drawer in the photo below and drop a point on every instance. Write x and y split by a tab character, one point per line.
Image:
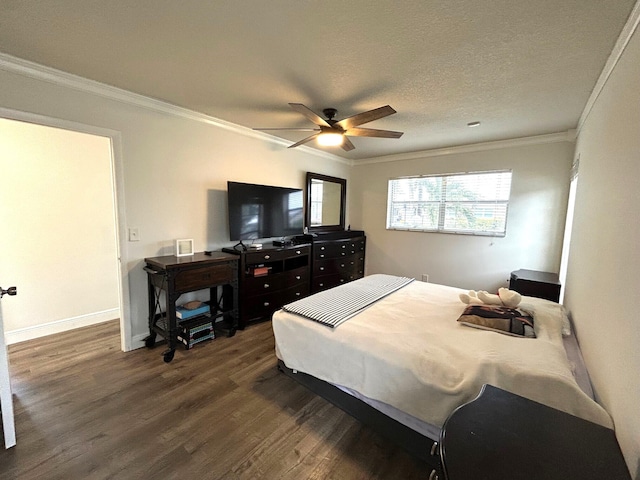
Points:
351	264
324	282
295	277
264	284
274	255
204	277
338	249
260	306
294	293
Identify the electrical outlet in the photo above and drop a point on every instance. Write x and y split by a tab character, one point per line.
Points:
425	277
134	235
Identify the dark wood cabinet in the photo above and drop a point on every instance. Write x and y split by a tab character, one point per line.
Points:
168	277
270	278
503	436
338	257
536	284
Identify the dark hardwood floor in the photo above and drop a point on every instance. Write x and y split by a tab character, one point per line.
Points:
86	410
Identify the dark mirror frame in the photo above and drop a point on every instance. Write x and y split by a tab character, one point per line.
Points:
343	196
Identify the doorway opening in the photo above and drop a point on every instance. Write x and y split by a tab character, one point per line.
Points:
63	181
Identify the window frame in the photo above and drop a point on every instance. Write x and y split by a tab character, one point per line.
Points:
442	203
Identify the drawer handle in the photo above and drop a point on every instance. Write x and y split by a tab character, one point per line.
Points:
266	285
321	268
344	246
321	248
322	284
342	280
342	265
297	294
267	257
298	252
343	254
434	449
433	475
321	256
266	304
298	277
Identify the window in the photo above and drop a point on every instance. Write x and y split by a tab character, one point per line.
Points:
470	203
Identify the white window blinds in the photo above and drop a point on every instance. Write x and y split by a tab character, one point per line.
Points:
471	203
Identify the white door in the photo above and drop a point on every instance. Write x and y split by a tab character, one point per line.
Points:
6	398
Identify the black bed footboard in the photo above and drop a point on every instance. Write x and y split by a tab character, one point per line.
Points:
413	442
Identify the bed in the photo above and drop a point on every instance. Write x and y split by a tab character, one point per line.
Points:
404	363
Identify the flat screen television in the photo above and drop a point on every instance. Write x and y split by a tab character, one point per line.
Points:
264	211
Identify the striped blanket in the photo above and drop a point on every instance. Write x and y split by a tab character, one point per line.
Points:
336	305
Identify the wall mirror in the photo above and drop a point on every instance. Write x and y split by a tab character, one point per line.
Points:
325	202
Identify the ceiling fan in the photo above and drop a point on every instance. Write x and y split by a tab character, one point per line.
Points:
333	132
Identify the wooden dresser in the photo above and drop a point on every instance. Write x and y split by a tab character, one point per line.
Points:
337	258
270	278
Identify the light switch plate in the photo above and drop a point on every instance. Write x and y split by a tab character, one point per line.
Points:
134	235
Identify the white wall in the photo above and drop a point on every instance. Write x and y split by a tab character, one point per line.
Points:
602	277
174	168
535	222
58	229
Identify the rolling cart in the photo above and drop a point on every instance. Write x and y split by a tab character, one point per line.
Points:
169	277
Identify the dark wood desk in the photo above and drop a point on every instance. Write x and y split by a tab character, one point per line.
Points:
502	436
178	275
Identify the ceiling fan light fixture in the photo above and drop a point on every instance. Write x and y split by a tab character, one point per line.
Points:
330	139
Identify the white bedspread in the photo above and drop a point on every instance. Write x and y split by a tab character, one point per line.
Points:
409	351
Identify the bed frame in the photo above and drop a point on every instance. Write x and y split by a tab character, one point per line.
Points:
414	443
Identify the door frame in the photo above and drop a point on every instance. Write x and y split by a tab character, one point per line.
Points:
117	169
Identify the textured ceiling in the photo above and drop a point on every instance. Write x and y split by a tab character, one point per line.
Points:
521	67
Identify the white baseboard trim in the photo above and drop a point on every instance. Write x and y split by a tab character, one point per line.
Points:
37	331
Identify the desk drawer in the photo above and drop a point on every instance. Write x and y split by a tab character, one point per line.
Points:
203	277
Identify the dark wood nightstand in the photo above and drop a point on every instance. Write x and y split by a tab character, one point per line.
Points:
502	436
536	284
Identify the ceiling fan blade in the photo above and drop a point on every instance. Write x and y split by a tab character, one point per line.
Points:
310	114
372	132
289	129
365	117
347	145
304	140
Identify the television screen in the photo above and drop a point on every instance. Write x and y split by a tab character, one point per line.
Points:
263	211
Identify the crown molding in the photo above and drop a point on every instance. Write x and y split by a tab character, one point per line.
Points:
618	49
568	136
36	71
43	73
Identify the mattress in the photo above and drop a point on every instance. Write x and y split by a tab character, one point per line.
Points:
407	354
